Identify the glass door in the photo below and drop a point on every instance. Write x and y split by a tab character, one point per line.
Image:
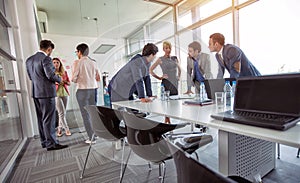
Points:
10	122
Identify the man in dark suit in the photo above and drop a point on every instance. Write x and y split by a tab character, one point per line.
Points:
231	57
41	72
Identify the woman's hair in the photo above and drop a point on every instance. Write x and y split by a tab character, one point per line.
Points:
61	69
149	49
167	43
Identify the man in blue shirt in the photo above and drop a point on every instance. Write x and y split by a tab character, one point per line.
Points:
231	57
198	67
133	77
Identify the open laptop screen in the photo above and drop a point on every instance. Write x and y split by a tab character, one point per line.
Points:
276	94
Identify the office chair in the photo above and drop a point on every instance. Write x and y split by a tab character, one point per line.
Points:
145	139
192	171
105	124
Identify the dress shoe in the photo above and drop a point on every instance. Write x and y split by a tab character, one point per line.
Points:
57	147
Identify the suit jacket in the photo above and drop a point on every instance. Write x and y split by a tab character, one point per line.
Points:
41	72
130	79
232	54
204	67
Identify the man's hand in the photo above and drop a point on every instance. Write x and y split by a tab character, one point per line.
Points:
165	76
188	92
145	100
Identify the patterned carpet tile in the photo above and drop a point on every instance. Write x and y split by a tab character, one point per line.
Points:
54	169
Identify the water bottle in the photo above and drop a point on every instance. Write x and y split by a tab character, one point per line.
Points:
233	92
228	93
203	94
162	92
106	97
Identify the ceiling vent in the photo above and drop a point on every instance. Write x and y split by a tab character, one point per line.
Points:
43	21
103	48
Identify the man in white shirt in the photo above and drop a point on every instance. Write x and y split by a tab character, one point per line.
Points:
86	75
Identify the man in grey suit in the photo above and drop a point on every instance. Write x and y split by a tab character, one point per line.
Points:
41	72
132	78
231	58
198	67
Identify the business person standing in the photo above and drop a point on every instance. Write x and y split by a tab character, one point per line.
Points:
231	58
198	67
41	72
86	75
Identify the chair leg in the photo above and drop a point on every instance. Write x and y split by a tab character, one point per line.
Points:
86	159
192	127
196	154
125	166
298	153
123	151
150	167
278	151
162	172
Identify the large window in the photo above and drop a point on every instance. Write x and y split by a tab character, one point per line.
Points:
4	39
270	36
136	42
162	28
260	30
212	7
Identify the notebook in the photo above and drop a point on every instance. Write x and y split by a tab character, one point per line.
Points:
266	101
198	102
215	85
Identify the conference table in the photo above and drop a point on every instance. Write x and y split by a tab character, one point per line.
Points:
244	150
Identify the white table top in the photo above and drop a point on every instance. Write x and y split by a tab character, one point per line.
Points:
201	115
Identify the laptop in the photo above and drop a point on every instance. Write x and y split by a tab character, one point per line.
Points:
215	85
266	101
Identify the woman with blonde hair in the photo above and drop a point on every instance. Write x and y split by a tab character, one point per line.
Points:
171	71
62	94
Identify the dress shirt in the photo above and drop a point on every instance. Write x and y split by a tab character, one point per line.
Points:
85	73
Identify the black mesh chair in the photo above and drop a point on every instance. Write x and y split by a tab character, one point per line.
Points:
192	171
105	124
145	139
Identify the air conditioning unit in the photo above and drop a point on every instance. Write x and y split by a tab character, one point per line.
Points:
43	21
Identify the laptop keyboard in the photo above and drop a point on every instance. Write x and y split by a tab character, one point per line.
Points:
260	117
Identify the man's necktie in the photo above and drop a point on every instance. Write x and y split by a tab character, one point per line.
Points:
198	76
220	58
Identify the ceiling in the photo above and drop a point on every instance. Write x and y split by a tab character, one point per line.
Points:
98	18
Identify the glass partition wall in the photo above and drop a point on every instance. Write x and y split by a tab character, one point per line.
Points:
10	121
10	95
